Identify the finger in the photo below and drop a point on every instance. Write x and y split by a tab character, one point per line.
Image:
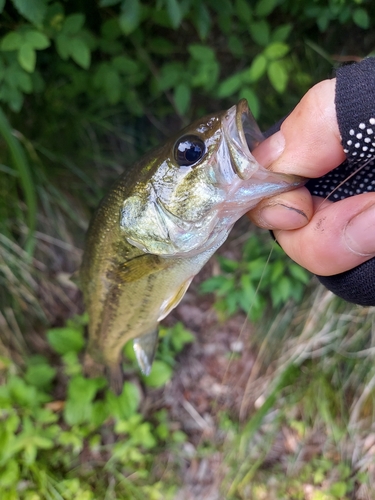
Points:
309	142
290	210
340	236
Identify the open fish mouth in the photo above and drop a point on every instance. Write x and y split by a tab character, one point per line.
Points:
242	135
248	130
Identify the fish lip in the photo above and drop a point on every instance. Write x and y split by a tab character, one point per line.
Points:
242	135
248	130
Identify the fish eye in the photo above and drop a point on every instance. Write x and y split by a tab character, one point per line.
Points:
188	150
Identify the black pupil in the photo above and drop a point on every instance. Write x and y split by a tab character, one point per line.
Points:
188	150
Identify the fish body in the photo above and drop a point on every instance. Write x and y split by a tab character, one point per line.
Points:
161	222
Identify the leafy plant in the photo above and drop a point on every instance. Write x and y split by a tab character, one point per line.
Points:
41	438
264	274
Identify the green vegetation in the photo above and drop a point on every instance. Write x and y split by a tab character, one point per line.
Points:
312	396
85	88
263	273
43	439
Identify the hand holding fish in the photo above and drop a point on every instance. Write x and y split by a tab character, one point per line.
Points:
165	216
329	238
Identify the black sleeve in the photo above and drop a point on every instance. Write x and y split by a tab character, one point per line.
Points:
355	107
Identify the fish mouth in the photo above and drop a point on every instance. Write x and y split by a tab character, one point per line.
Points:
242	135
248	131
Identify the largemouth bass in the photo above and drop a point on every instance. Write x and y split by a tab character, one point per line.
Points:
161	222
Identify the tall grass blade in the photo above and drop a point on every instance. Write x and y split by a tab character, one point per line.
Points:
23	168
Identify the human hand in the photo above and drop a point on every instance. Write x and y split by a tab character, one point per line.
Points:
324	237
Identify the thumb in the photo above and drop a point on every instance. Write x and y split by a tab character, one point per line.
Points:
309	141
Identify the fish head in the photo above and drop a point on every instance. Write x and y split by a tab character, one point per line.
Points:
195	186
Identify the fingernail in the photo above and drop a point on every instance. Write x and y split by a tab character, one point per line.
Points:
283	217
360	232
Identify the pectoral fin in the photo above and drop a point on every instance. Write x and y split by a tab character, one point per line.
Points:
145	348
173	300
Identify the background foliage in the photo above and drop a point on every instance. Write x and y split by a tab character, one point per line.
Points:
85	88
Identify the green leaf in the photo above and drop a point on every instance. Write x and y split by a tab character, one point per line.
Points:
339	489
299	273
33	10
128	401
125	65
81	392
12	41
99	413
130	16
284	287
174	13
170	74
361	18
21	393
124	406
243	11
64	340
180	337
159	45
80	52
276	50
260	32
281	33
204	74
73	24
229	86
202	20
236	46
9	474
227	265
277	270
63	46
278	75
212	284
201	52
323	20
265	7
40	375
37	40
160	374
27	58
182	96
256	70
2	4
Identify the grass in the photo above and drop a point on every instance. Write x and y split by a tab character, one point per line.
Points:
310	433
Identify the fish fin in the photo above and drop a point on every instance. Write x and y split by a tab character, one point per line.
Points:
145	348
116	378
174	300
138	268
91	367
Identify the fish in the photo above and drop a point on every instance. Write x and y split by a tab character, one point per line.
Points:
161	222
